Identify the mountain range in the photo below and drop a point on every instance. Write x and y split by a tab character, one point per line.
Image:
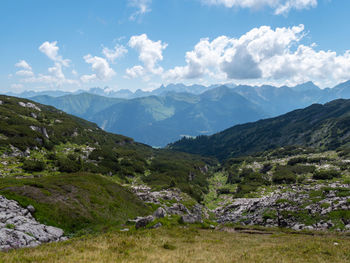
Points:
325	127
170	112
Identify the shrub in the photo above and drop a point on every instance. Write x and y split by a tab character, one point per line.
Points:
326	174
33	165
251	181
296	160
223	190
267	167
67	165
303	169
283	175
233	178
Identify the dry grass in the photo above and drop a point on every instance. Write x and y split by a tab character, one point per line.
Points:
189	245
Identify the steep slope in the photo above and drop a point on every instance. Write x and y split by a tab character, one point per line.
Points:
325	126
38	140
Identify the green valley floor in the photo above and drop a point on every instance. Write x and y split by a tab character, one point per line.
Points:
191	244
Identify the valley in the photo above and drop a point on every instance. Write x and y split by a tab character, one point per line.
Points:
91	184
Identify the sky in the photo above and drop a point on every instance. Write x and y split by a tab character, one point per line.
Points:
142	44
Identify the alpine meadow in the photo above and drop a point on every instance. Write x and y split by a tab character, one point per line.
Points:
174	131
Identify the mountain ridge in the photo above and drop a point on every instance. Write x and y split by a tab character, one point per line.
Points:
323	126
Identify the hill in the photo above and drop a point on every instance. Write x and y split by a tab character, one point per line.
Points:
323	126
72	171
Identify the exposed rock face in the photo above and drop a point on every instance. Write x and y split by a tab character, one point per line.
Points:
18	228
191	219
160	212
41	130
299	207
29	105
175	207
146	195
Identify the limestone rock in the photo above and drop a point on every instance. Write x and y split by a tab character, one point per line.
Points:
18	228
160	212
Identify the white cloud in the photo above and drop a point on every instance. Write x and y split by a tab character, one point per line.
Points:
55	76
142	6
150	53
279	6
202	60
25	69
113	54
100	66
56	71
23	64
263	54
50	49
88	78
24	73
135	72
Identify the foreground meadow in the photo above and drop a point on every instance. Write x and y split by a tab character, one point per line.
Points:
183	244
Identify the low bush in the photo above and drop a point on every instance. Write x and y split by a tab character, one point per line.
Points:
283	175
33	165
266	168
67	165
326	174
297	160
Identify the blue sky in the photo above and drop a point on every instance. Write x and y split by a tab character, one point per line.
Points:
133	44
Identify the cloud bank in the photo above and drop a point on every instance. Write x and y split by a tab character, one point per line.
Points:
263	54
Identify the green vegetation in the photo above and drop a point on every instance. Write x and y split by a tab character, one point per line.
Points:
326	174
56	142
190	244
71	171
324	127
75	202
283	175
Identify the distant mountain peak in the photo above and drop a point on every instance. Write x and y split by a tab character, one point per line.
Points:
306	86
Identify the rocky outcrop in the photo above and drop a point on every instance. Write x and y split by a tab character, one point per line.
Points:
310	207
29	105
148	196
18	228
170	202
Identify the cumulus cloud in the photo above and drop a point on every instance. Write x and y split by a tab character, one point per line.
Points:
112	54
135	72
50	49
263	54
279	6
241	65
25	70
100	66
88	78
150	53
24	73
142	6
23	64
55	75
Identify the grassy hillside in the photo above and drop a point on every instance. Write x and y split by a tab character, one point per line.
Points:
71	170
75	202
191	245
322	126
